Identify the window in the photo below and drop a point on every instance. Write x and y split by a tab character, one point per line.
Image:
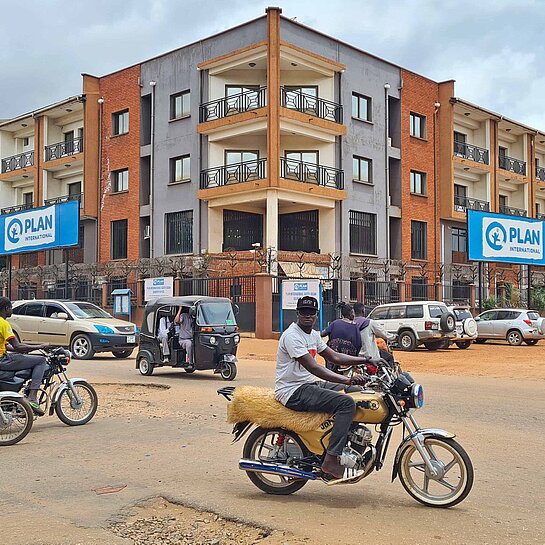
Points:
299	232
51	310
362	169
241	230
436	311
119	239
26	141
179	232
379	314
241	98
460	143
120	180
419	238
415	311
301	166
538	208
30	309
503	201
301	98
361	107
120	122
502	152
396	313
460	190
242	166
180	169
418	182
180	105
418	125
488	316
28	199
363	227
419	288
459	239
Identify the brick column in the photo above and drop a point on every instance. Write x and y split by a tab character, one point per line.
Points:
401	290
177	287
263	306
438	291
360	290
472	297
104	302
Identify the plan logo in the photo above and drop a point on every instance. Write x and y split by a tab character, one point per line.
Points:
14	231
30	229
496	236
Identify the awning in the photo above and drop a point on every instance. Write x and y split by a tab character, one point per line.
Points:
309	270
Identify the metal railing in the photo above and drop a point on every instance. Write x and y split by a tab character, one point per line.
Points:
295	99
16	162
471	152
311	173
511	211
64	149
540	173
66	198
234	174
461	204
16	208
513	165
234	104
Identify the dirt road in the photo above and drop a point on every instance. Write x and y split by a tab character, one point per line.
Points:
165	437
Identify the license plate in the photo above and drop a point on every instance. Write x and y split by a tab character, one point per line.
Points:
131	339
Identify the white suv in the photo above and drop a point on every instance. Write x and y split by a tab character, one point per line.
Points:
417	322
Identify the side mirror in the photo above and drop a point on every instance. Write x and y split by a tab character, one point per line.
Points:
236	309
477	319
62	316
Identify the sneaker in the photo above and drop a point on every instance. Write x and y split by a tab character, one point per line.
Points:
36	408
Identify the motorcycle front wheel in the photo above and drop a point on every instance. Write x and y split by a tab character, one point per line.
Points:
74	412
18	421
454	477
275	446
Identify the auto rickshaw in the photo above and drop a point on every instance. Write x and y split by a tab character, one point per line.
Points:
215	336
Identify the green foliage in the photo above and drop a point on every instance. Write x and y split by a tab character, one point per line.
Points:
538	299
489	303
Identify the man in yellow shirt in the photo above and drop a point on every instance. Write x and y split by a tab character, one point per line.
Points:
10	361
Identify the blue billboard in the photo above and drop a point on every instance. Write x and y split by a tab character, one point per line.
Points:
45	228
506	239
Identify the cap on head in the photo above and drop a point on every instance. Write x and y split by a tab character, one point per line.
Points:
307	302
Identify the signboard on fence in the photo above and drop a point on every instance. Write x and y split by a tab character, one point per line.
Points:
158	287
503	238
294	289
45	228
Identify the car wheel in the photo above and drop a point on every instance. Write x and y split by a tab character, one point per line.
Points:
531	342
81	347
407	341
463	345
514	337
145	366
480	341
123	353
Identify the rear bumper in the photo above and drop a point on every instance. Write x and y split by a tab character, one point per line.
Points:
434	335
530	335
107	343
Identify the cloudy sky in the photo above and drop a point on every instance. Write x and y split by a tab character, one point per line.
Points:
494	49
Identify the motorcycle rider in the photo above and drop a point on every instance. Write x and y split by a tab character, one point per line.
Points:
19	361
296	385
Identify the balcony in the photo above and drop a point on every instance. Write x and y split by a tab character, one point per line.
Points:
311	173
462	204
65	198
234	174
64	149
540	174
473	153
16	162
308	104
234	104
16	208
513	165
511	211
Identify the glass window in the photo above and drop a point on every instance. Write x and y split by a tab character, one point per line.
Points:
436	311
362	169
487	316
299	232
415	311
215	314
361	107
31	309
120	180
119	239
459	239
241	230
379	314
418	125
74	189
396	313
179	232
28	198
51	311
418	182
301	98
234	157
180	105
419	240
180	169
462	313
120	122
362	232
87	310
460	143
533	316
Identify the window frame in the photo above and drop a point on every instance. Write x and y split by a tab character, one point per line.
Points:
113	255
362	217
423	183
170	245
421	255
173	98
116	126
369	162
115	180
369	107
172	169
413	116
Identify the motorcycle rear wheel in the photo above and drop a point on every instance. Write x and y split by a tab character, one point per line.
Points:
73	415
261	446
456	469
21	417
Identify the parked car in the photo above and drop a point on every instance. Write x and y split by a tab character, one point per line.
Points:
417	322
466	327
82	327
511	324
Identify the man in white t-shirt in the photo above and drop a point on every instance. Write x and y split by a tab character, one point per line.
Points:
296	385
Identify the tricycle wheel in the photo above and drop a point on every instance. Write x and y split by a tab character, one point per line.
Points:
145	366
228	370
189	370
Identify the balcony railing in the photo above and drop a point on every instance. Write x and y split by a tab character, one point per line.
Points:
513	165
16	208
540	216
64	149
462	204
540	173
65	198
511	211
310	173
234	174
16	162
307	104
473	153
234	104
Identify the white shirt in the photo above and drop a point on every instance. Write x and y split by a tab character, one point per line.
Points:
164	325
290	374
369	347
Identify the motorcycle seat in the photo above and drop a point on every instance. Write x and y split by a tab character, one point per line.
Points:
258	405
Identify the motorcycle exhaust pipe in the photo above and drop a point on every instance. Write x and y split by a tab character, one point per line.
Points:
275	469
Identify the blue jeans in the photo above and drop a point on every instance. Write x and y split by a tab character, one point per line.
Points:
17	362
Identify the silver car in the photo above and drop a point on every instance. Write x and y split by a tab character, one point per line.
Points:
510	324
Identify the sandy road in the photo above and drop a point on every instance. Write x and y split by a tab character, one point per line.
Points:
171	441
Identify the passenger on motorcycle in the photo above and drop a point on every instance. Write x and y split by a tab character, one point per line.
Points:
370	331
297	387
19	361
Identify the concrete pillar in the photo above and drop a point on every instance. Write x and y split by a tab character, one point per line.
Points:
438	291
140	293
271	237
105	287
177	287
401	290
472	297
263	307
360	290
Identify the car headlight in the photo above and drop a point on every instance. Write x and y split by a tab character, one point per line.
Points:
236	339
104	329
213	340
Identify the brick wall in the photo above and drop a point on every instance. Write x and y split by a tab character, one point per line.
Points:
120	91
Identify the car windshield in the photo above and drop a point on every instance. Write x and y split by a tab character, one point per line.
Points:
462	313
87	310
215	314
533	315
436	311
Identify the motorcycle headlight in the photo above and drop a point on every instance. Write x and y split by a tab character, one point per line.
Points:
104	329
417	396
213	340
236	339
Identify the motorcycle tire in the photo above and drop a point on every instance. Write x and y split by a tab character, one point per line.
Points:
264	481
421	493
228	371
10	405
66	397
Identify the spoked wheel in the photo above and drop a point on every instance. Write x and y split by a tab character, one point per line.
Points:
16	420
454	477
76	411
228	371
278	446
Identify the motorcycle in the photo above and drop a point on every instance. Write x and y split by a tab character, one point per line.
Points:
74	401
16	417
286	448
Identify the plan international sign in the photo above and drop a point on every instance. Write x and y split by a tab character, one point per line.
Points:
46	228
502	238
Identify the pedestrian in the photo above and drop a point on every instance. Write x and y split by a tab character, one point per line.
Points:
369	332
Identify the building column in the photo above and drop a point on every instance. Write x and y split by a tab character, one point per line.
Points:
271	237
273	95
263	302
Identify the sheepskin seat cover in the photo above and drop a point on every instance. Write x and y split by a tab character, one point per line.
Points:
257	405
